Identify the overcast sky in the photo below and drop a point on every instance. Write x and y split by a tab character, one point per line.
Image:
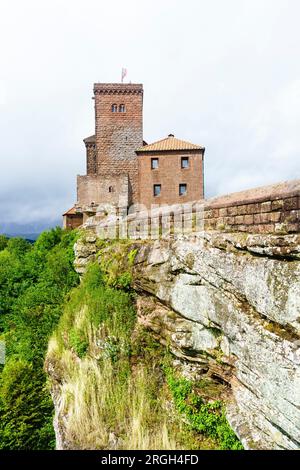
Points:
224	74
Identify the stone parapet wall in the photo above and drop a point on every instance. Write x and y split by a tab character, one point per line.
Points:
271	216
270	209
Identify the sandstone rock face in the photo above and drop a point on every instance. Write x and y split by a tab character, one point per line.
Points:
85	250
230	304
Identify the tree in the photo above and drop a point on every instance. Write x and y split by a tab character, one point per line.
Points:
3	242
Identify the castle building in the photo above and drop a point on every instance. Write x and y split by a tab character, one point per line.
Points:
122	169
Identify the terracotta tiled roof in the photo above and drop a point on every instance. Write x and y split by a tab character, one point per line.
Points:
90	140
170	143
71	211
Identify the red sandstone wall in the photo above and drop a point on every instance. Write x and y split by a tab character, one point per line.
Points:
72	221
96	188
118	135
270	209
170	174
91	159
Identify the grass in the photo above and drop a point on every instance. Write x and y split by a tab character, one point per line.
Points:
106	406
112	387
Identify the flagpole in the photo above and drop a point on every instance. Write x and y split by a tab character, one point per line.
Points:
123	75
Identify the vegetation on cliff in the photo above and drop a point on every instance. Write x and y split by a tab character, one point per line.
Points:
107	372
114	384
34	281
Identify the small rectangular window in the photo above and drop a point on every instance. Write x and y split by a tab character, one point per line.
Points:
156	189
154	163
184	162
182	189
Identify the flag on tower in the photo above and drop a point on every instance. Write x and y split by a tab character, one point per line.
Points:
124	73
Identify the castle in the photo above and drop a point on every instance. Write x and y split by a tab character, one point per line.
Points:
123	170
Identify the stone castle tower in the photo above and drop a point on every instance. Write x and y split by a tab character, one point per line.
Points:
122	169
119	130
112	164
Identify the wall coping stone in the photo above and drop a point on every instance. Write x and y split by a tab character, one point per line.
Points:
272	192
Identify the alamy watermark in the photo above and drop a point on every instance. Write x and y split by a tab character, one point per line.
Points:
2	352
140	222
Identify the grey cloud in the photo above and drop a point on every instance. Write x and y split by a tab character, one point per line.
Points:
222	74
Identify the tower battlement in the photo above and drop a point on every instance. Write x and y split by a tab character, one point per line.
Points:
118	88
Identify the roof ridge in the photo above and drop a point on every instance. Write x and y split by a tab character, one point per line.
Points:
72	210
173	140
161	140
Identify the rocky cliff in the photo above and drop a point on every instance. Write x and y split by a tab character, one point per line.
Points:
229	305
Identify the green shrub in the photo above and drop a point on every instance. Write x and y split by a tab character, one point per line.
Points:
18	246
25	407
131	256
123	281
78	342
208	418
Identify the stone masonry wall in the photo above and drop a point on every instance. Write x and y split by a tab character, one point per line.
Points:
170	174
112	189
91	159
271	209
119	134
72	221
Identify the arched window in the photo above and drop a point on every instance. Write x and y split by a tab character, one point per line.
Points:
114	108
110	189
122	108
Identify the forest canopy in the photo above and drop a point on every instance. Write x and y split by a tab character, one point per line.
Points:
34	281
